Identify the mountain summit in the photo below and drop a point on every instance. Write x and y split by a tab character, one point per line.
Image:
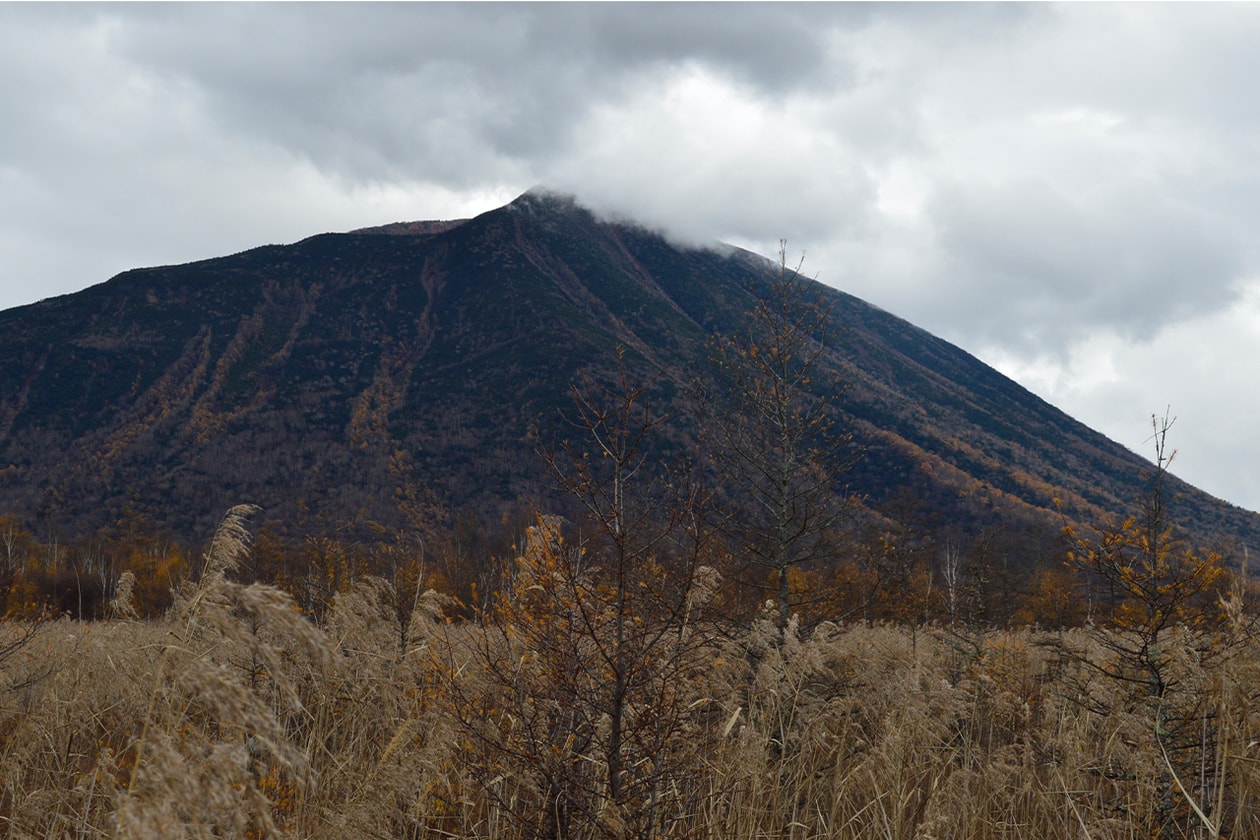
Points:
324	378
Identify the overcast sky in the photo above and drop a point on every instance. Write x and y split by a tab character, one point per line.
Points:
1070	192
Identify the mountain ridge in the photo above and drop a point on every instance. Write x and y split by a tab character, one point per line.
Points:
319	377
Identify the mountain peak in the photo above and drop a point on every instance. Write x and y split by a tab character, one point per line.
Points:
538	201
543	199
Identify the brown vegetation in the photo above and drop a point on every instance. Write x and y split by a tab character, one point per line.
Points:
235	716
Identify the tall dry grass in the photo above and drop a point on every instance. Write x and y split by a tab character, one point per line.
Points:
237	716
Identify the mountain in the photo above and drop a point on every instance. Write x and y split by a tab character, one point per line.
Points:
328	379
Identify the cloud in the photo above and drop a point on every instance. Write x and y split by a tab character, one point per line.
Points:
1060	265
707	158
450	94
1197	369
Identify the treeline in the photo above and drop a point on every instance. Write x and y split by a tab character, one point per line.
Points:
994	579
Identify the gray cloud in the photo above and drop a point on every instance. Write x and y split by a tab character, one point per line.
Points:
452	93
1059	265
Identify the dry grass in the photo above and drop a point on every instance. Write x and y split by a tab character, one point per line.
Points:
236	716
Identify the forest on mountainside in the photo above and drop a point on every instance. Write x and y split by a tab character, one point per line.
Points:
331	380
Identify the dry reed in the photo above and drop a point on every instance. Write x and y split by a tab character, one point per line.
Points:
237	716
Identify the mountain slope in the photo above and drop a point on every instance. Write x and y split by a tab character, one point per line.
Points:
325	378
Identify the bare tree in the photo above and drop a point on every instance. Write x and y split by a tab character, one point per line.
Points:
951	570
580	695
774	442
1166	628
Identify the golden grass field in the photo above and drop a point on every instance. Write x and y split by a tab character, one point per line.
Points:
237	716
